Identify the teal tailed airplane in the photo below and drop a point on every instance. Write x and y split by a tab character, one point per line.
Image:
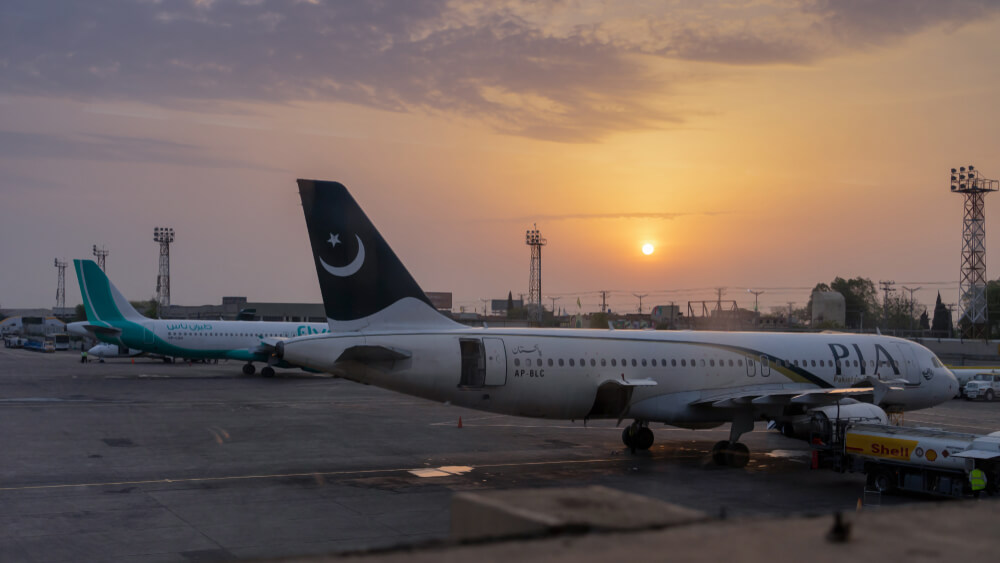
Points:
111	319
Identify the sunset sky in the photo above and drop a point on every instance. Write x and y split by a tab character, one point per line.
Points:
765	144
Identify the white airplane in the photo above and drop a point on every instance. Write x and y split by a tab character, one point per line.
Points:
112	319
105	351
384	332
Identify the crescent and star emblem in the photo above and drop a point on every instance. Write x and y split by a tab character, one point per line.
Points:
350	269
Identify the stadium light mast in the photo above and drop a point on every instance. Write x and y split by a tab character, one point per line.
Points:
61	287
102	257
164	236
972	278
533	238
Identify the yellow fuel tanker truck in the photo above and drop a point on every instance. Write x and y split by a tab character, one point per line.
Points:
920	460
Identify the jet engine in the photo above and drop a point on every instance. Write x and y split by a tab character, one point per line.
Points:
820	421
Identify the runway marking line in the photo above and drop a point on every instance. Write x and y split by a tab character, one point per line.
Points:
309	474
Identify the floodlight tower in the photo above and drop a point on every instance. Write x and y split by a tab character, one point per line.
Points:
534	239
164	236
102	257
972	279
61	288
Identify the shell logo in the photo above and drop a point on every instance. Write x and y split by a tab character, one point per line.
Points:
931	455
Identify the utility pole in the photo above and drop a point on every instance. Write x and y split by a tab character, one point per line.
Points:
554	299
604	301
911	290
756	311
718	302
886	287
102	257
640	300
485	302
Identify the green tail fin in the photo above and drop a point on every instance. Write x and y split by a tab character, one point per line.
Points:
101	299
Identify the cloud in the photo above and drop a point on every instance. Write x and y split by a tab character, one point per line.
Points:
20	145
610	216
571	70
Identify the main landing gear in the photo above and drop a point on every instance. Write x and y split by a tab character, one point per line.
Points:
267	371
731	452
637	436
249	369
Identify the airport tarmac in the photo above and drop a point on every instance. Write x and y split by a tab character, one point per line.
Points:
176	462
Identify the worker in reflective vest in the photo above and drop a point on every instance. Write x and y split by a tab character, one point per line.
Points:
977	479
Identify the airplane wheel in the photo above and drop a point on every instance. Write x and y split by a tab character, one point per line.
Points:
626	437
719	452
268	371
882	481
249	369
738	455
644	439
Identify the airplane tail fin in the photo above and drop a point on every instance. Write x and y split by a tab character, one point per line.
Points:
364	284
101	299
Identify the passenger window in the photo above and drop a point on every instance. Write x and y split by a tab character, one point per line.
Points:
673	362
603	362
550	362
614	362
633	362
561	362
538	362
653	362
813	363
663	362
644	362
730	363
571	363
684	363
517	361
583	362
711	363
703	363
593	362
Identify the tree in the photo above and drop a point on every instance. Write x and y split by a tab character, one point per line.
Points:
941	325
510	302
79	313
925	320
860	300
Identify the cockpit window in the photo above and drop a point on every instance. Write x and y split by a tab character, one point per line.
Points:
936	362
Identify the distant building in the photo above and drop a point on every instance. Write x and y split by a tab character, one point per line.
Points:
32	326
665	314
234	307
499	306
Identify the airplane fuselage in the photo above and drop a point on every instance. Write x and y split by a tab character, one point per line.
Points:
197	339
557	373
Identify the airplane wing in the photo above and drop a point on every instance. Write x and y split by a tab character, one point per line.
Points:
741	398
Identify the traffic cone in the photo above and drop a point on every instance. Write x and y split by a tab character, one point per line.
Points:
459	422
860	504
133	360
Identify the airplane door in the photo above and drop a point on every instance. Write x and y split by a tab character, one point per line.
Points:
908	368
496	361
147	335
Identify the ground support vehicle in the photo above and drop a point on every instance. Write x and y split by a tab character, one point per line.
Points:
917	460
984	386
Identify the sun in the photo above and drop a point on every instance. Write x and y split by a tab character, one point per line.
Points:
648	249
